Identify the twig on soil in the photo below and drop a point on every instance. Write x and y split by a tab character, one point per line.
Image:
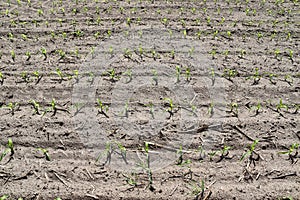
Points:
90	175
174	190
61	180
92	196
241	132
285	175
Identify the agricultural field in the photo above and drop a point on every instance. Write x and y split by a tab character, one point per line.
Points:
149	99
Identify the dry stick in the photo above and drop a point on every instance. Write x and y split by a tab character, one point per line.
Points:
173	191
92	196
241	132
59	178
286	175
90	175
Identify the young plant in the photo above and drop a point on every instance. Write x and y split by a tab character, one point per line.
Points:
38	76
155	77
59	74
107	153
147	167
188	74
9	148
292	152
281	105
256	108
1	78
13	107
199	190
45	153
76	75
223	153
272	78
251	154
211	109
229	74
178	71
28	55
13	55
233	109
35	106
25	77
170	105
256	76
213	76
180	160
128	73
288	78
102	109
112	75
44	52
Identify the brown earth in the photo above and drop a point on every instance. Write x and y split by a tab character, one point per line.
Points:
74	139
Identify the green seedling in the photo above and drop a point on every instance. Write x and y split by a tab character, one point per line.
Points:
126	110
188	74
38	76
229	74
191	51
1	78
256	76
180	160
131	179
155	77
91	77
256	108
213	76
148	170
172	54
223	153
297	107
242	53
28	55
292	152
78	107
291	55
107	153
123	151
128	73
127	53
13	107
288	78
277	54
4	197
61	54
272	78
45	153
36	106
44	52
54	108
198	190
211	109
112	75
59	74
25	76
281	105
178	71
233	108
251	154
76	75
170	105
9	149
13	55
151	109
102	109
